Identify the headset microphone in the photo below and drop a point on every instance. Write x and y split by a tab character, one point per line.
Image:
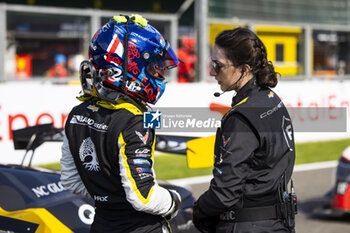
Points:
217	94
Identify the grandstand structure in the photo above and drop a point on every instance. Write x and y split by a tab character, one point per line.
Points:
31	37
304	39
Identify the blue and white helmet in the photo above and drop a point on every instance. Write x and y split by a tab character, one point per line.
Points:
148	55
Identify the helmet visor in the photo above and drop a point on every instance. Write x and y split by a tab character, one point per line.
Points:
164	60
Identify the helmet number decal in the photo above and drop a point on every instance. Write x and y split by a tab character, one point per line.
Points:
116	74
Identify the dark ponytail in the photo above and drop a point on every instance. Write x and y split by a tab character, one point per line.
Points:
242	46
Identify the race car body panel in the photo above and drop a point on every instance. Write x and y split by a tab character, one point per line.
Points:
342	201
16	225
38	197
341	198
44	220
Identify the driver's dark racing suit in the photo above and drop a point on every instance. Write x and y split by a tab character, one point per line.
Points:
108	155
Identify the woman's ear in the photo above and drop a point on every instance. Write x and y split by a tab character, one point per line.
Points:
245	69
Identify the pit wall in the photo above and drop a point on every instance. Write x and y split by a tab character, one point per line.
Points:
29	103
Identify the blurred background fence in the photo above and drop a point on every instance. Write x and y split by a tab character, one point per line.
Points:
304	39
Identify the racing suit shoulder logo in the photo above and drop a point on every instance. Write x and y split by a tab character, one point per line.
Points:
143	138
271	94
142	170
141	161
87	154
93	108
89	122
143	152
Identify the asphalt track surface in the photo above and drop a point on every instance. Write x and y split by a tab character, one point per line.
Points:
311	187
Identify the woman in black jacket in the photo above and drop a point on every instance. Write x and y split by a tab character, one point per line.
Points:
254	148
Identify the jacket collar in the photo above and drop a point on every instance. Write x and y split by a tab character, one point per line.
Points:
249	88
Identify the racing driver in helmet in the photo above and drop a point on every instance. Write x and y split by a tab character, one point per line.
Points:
107	154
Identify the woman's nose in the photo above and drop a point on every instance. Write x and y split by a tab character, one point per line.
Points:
211	71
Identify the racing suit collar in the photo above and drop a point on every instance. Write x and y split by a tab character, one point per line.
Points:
245	91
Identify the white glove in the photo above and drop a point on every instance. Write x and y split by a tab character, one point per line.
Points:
175	205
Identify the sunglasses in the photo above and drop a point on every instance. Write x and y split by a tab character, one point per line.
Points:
217	66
